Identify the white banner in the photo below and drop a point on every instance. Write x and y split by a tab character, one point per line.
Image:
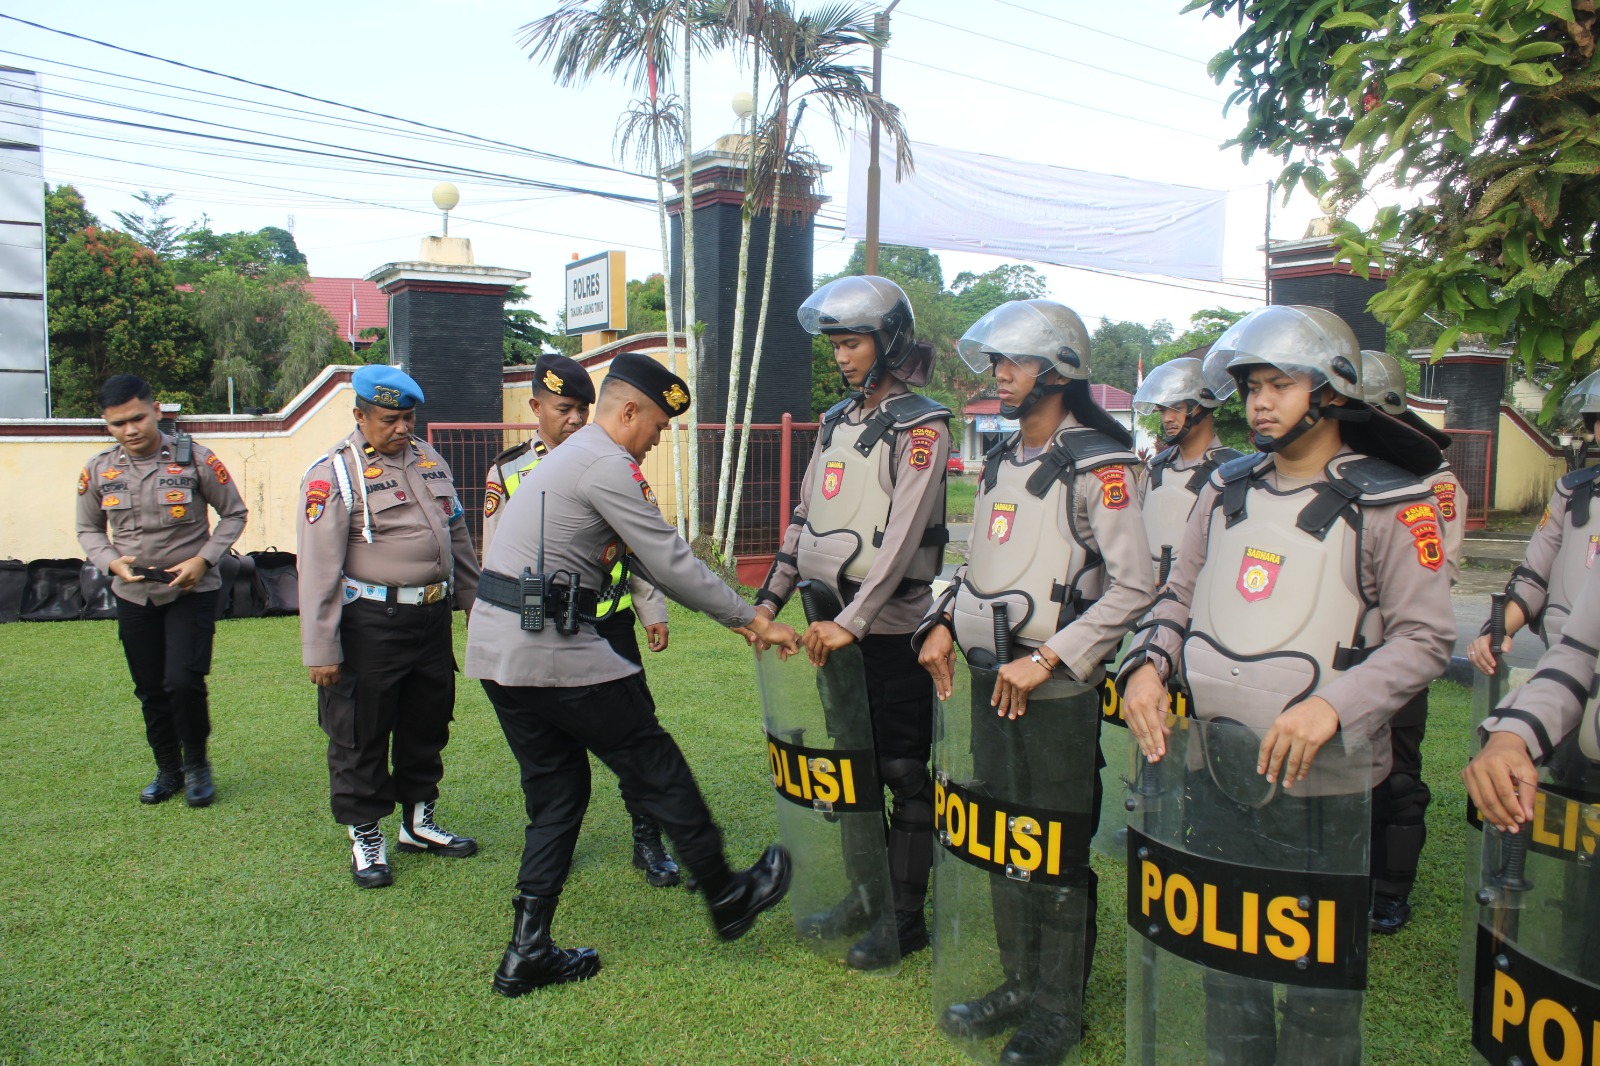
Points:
966	202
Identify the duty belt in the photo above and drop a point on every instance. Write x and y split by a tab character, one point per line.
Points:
506	593
410	595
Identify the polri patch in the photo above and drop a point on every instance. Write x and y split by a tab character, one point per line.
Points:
1113	487
923	438
1544	519
1444	493
832	479
644	486
1430	549
1417	512
1002	520
216	466
1258	573
491	499
83	482
316	499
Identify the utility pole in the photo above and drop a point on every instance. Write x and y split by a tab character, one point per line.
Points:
874	173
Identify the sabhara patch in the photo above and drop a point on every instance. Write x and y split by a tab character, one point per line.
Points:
1417	512
923	438
1445	494
832	479
216	465
491	499
83	482
1258	572
1113	487
1002	520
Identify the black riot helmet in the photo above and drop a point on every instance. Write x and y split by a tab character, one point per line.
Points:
871	305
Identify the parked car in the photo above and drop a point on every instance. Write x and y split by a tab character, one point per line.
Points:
956	465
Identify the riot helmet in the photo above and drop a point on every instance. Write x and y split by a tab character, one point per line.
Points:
1306	342
1038	335
1383	381
871	305
1177	383
1582	401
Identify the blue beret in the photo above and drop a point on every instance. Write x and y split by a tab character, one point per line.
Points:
668	390
564	377
386	386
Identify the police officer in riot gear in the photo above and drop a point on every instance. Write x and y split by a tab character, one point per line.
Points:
1399	829
562	394
1057	570
1562	551
1176	392
1310	598
870	530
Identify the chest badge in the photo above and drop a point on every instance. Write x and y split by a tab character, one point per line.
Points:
372	472
1594	549
832	479
174	468
1258	573
111	475
1002	520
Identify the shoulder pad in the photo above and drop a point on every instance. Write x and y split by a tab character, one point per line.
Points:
1240	467
516	451
1223	455
1376	481
1090	448
836	412
912	409
1580	477
1164	457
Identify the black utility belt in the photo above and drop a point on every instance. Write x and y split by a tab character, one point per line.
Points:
541	600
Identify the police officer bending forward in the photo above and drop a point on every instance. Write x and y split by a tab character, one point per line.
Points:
152	490
384	553
560	688
562	394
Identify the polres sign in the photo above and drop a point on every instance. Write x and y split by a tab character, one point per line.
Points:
597	293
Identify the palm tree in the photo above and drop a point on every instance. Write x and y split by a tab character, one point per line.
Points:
807	54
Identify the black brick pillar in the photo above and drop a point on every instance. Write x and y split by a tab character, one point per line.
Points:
1303	272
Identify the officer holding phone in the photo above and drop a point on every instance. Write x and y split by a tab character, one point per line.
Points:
142	519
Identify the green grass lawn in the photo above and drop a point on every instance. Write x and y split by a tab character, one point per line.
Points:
135	934
960	491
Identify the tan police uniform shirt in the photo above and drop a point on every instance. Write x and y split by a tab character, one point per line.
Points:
1114	531
1178	463
1450	500
878	606
1543	548
596	503
1413	604
154	509
419	535
1548	708
649	605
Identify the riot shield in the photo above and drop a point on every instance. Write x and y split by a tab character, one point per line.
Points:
830	802
1124	768
1013	896
1247	904
1536	934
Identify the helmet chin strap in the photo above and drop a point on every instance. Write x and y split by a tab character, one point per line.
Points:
1035	394
1190	421
1314	414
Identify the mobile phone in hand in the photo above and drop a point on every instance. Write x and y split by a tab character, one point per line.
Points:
150	573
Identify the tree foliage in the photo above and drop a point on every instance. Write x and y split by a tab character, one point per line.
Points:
1487	108
65	214
1205	327
114	309
198	251
151	228
525	337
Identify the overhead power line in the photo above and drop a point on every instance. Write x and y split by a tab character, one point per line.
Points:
1103	33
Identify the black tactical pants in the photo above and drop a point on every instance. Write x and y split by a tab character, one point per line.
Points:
1049	758
168	647
1399	829
393	702
618	629
551	730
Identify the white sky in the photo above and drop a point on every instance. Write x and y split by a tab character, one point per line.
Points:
457	65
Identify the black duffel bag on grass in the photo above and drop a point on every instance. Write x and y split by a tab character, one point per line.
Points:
277	581
53	593
95	587
13	580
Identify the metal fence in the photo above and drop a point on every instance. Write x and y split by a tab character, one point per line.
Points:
776	462
1471	456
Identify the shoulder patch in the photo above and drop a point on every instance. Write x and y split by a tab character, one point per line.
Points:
492	495
1544	519
644	486
1417	512
83	481
923	439
217	468
1444	493
317	493
1113	486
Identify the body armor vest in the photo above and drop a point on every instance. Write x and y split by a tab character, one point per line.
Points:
1171	497
1580	543
1278	608
1026	551
516	464
854	492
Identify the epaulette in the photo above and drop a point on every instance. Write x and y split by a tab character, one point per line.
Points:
1574	479
1218	456
1077	451
516	451
897	414
1238	468
1581	486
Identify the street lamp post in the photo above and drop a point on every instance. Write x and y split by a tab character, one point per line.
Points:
874	173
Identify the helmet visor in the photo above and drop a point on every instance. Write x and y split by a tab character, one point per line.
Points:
1172	384
1019	330
852	304
1582	399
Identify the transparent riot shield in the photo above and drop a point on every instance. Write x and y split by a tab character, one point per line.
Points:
1247	904
830	802
1123	768
1536	935
1013	895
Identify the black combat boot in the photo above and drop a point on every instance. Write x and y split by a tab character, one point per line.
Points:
199	790
988	1015
168	783
1044	1039
1389	913
749	892
650	855
420	832
369	860
532	958
888	942
849	917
